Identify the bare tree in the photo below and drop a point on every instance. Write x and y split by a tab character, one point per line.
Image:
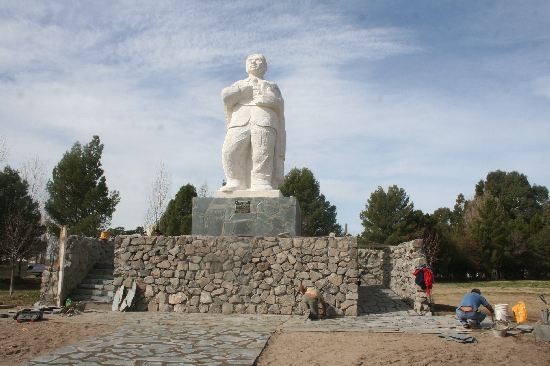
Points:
21	239
204	191
157	199
3	150
34	172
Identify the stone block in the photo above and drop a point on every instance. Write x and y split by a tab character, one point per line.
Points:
227	308
242	216
177	298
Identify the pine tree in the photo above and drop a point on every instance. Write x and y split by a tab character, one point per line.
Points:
389	218
176	220
318	215
79	197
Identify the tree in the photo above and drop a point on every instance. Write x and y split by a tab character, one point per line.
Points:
204	191
176	220
119	230
33	172
20	227
317	214
539	244
79	197
504	218
389	218
3	150
157	198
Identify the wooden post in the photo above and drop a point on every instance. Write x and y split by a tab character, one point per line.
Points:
61	273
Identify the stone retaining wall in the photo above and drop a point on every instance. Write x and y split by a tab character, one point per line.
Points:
393	267
260	275
81	254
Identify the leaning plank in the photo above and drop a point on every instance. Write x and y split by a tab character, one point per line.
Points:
117	299
127	303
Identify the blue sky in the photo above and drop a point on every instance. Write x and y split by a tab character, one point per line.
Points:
428	95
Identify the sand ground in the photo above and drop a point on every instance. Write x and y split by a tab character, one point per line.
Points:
400	349
23	341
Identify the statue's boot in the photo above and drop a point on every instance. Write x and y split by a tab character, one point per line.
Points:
232	185
261	184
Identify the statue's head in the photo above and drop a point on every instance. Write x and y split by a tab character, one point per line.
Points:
256	65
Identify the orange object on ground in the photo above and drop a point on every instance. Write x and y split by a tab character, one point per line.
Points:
520	312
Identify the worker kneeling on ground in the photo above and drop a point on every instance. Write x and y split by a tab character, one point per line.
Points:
314	301
468	312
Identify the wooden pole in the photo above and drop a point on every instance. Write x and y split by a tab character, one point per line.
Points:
61	273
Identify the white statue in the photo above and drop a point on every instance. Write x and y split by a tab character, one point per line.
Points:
253	152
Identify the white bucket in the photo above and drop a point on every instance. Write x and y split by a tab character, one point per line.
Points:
501	312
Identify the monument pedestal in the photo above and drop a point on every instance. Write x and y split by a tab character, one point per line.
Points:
246	216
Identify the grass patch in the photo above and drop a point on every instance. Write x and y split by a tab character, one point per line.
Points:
26	291
543	285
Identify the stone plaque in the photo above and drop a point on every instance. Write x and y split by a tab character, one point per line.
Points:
243	216
242	206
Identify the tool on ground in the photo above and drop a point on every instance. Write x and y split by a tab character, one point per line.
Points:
544	313
28	315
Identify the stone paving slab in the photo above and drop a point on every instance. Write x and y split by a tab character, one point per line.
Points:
170	339
209	339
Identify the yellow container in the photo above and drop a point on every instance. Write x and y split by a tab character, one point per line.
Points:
104	235
520	312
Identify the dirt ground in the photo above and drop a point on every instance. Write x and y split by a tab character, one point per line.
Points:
448	296
23	341
354	349
20	342
400	349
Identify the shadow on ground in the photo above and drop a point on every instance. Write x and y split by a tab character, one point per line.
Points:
377	299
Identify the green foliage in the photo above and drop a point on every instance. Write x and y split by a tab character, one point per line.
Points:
79	197
20	227
502	232
318	215
389	218
507	220
176	220
119	230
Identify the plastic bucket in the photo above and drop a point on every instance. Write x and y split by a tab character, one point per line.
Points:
501	312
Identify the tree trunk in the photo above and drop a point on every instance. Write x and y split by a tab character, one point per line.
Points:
19	268
12	265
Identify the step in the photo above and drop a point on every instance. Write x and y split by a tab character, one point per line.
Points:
96	286
101	271
92	292
99	276
95	299
97	281
104	265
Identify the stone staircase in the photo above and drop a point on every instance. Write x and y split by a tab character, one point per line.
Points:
97	287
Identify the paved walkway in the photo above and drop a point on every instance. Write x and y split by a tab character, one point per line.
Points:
213	339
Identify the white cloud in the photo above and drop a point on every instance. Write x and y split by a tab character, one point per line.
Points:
146	77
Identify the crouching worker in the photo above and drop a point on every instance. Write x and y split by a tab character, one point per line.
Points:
314	301
468	312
